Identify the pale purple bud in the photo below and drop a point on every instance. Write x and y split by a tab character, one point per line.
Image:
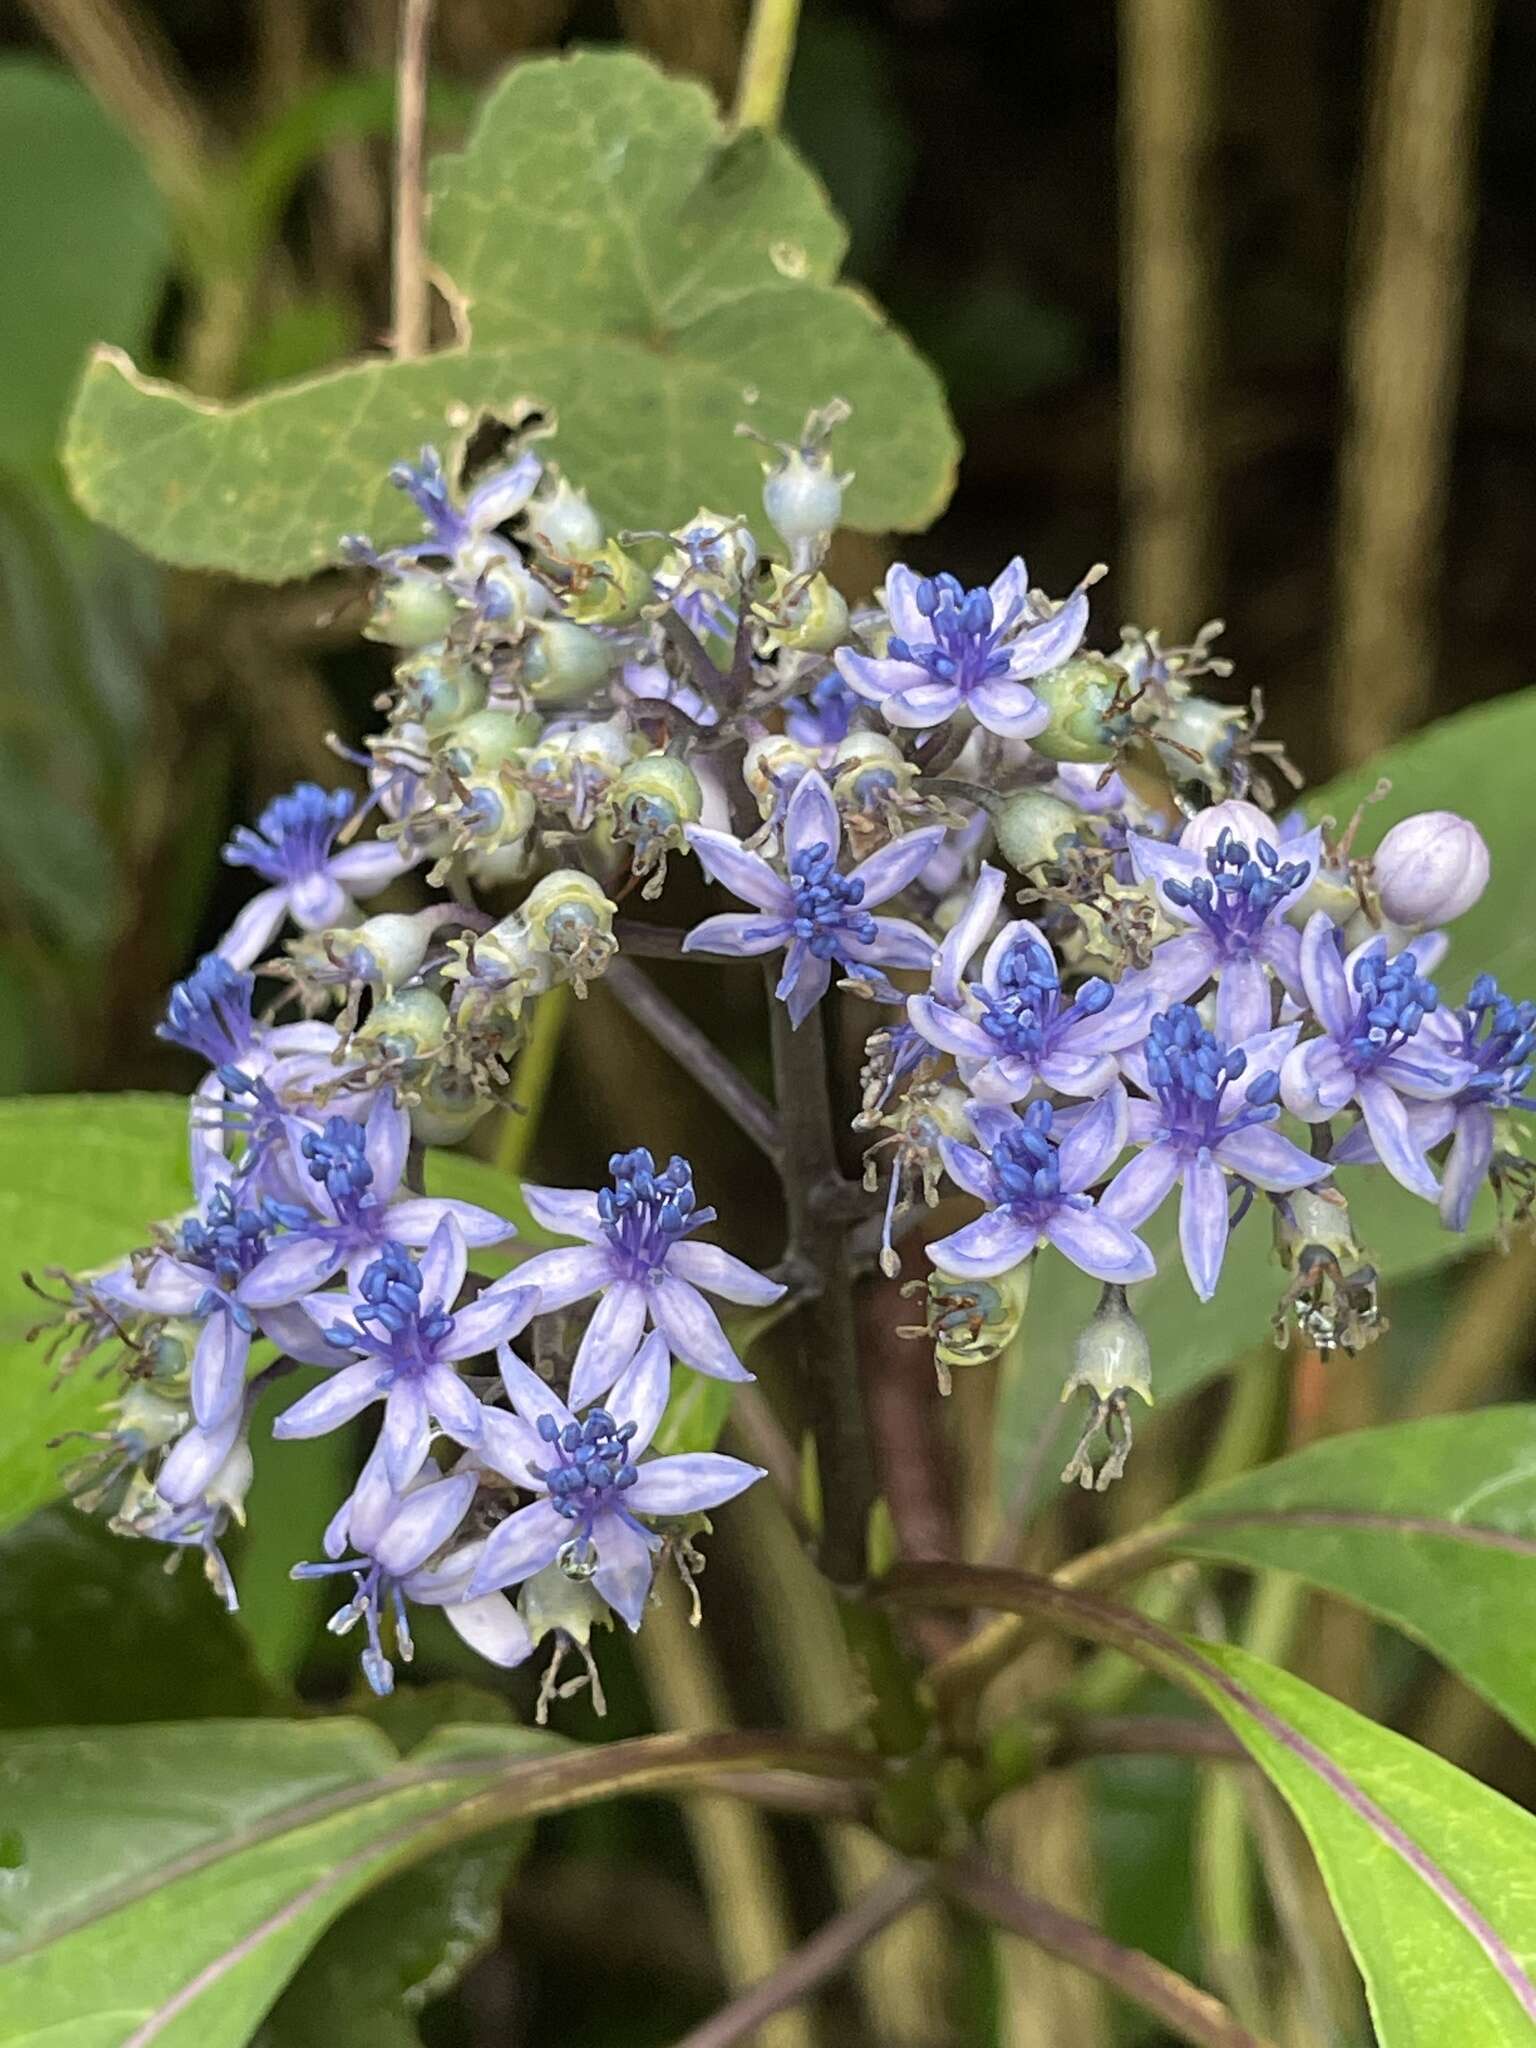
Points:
1430	868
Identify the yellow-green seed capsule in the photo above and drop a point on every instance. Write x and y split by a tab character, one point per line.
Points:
486	741
648	807
808	614
972	1322
568	915
407	1026
449	1109
611	590
1086	700
563	524
1033	827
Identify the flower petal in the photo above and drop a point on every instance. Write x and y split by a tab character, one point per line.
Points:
1010	709
407	1432
968	931
443	1264
1393	1135
919	705
899	862
874	677
898	942
295	1266
195	1458
529	1395
218	1368
993	1244
948	1030
254	929
518	1547
738	934
568	1212
335	1401
562	1277
1141	1187
1053	641
1244	1002
811	819
640	1394
1100	1246
423	1522
692	1328
371	865
492	1627
690	1483
608	1342
501	1313
747	875
1466	1167
454	1405
1203	1223
414	1220
1322	975
1267	1157
718	1272
803	983
967	1168
1089	1148
625	1566
386	1144
901	607
1177	969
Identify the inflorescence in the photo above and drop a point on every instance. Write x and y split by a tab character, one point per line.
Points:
1204	996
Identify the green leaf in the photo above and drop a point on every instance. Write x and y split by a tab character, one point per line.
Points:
697	1411
84	245
620	264
99	1631
1430	1523
1432	1875
81	1179
177	1874
173	1877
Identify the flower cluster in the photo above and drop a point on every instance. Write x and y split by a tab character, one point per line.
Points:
1095	965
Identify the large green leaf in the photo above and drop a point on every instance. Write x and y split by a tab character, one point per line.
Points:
1432	1875
84	244
1431	1523
171	1878
1472	763
82	1177
620	264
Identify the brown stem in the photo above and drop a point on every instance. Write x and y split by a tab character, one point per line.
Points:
828	1951
818	1242
412	300
1191	2013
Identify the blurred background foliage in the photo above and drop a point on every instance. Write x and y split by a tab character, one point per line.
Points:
208	187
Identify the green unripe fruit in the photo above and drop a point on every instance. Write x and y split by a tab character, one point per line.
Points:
1032	827
1084	698
612	593
561	522
413	608
563	663
406	1026
486	740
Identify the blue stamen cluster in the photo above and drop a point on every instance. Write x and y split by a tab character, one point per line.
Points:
294	834
338	1157
646	1211
1242	888
1189	1071
229	1240
1027	1008
210	1012
592	1465
1026	1165
1499	1037
391	1289
966	647
826	910
1394	1001
426	485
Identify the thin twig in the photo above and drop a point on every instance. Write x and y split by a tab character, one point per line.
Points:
765	64
1403	351
819	1241
636	993
1167	295
412	301
828	1951
1147	1735
531	1076
649	941
1191	2013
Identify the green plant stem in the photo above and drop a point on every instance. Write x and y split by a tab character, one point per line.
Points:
531	1077
765	64
411	300
732	1847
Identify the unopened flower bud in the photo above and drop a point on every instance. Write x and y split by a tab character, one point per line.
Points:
1431	868
413	608
561	522
564	663
1032	827
1113	1360
803	498
1089	719
1245	821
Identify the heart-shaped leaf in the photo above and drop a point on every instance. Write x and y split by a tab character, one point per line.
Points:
621	265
